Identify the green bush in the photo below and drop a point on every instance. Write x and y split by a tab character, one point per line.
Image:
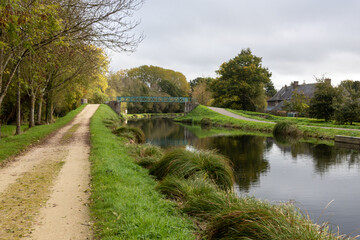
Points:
186	164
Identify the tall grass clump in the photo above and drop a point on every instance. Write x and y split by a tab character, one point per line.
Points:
185	164
133	134
146	155
286	128
182	190
261	220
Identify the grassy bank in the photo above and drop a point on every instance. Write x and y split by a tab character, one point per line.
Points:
11	145
218	119
125	204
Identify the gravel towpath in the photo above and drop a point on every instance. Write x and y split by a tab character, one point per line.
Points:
51	183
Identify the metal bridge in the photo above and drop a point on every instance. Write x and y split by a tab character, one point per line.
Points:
153	99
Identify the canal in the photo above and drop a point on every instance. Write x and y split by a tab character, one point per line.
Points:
322	180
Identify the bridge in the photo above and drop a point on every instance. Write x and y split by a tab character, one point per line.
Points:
115	105
153	99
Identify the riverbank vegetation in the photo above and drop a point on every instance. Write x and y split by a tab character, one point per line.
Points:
11	145
187	179
125	204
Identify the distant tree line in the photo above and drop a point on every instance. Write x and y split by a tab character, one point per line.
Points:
50	54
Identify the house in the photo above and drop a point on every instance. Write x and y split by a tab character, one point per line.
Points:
275	103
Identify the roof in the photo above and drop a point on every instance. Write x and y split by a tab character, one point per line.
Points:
286	92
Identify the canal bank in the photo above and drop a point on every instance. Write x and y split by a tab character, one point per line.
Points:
220	120
307	174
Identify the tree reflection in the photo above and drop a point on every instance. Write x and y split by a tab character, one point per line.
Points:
324	156
246	154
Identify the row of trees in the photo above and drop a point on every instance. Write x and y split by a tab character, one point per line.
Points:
50	55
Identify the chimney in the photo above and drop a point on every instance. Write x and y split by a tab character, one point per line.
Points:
327	81
295	84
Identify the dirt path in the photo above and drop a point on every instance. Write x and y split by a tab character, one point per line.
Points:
44	193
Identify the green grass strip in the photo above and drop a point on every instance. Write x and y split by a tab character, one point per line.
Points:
12	145
218	119
125	204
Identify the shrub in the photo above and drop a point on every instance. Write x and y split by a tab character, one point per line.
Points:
186	164
134	134
286	128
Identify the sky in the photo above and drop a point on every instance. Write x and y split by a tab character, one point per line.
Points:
298	40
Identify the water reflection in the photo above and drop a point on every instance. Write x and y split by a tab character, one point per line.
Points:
310	174
247	153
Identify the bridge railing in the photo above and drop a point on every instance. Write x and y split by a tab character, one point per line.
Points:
153	99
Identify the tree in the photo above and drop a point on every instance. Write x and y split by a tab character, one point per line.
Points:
270	89
202	94
298	103
241	83
347	103
321	105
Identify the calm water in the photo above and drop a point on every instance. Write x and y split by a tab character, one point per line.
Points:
309	175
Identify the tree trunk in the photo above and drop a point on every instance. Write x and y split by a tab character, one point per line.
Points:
39	112
32	110
18	109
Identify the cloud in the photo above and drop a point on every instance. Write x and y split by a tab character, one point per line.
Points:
296	39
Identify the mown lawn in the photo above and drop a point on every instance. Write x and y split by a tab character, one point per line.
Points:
125	204
11	145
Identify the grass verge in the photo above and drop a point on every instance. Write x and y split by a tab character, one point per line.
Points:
125	204
12	145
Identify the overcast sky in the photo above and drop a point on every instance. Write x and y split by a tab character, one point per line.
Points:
297	39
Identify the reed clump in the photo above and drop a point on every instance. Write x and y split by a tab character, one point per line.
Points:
185	164
146	155
133	134
286	128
